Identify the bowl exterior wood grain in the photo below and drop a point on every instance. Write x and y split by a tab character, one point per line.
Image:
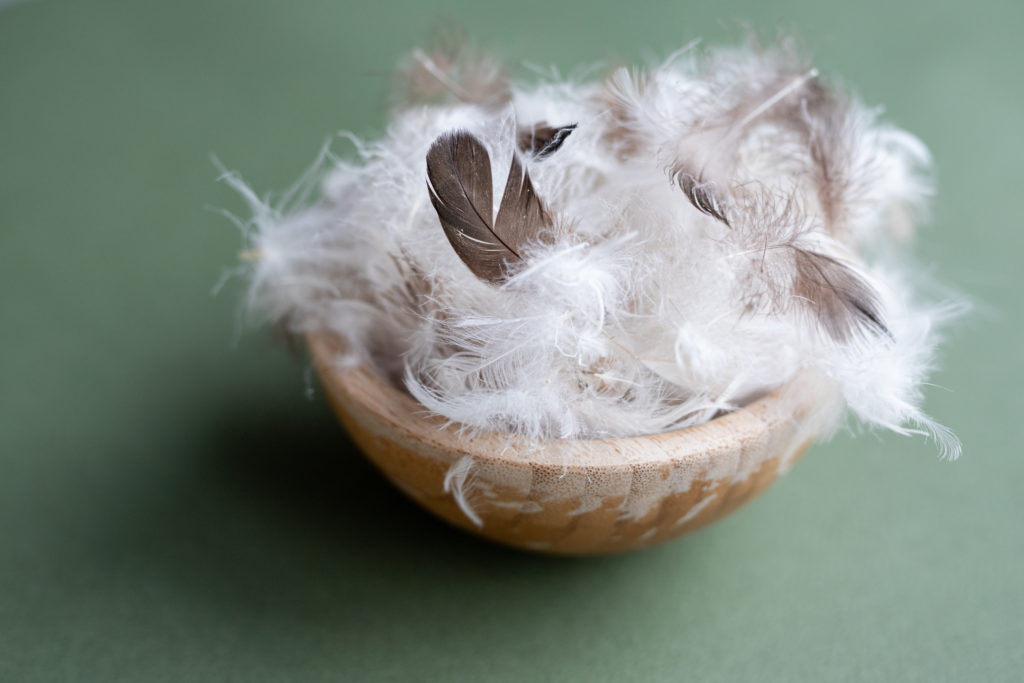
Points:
575	497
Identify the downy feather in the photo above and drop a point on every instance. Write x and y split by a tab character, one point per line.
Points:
699	242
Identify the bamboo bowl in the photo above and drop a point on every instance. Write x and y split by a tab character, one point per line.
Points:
574	497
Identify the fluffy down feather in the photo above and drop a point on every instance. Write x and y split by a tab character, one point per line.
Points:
702	229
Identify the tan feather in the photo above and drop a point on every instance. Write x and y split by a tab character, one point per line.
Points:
452	69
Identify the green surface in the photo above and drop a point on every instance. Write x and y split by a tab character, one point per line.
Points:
172	506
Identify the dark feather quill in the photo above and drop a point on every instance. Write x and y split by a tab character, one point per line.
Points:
459	174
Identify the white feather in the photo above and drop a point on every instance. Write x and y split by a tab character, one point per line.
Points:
637	320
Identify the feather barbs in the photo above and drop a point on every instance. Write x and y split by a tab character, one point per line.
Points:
666	244
460	185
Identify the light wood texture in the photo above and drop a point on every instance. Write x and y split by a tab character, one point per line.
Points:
574	496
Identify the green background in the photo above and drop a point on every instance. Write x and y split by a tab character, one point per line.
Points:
173	507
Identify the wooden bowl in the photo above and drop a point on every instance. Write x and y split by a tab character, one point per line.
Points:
575	496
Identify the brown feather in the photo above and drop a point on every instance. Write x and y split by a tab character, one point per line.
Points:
702	195
842	301
794	273
542	140
459	174
521	216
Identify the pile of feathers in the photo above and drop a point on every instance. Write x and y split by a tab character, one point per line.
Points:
614	255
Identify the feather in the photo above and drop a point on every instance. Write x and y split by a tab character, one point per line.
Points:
542	140
623	102
672	301
459	174
793	268
841	300
452	69
702	195
521	216
706	155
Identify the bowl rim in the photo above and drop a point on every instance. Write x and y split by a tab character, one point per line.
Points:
382	408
